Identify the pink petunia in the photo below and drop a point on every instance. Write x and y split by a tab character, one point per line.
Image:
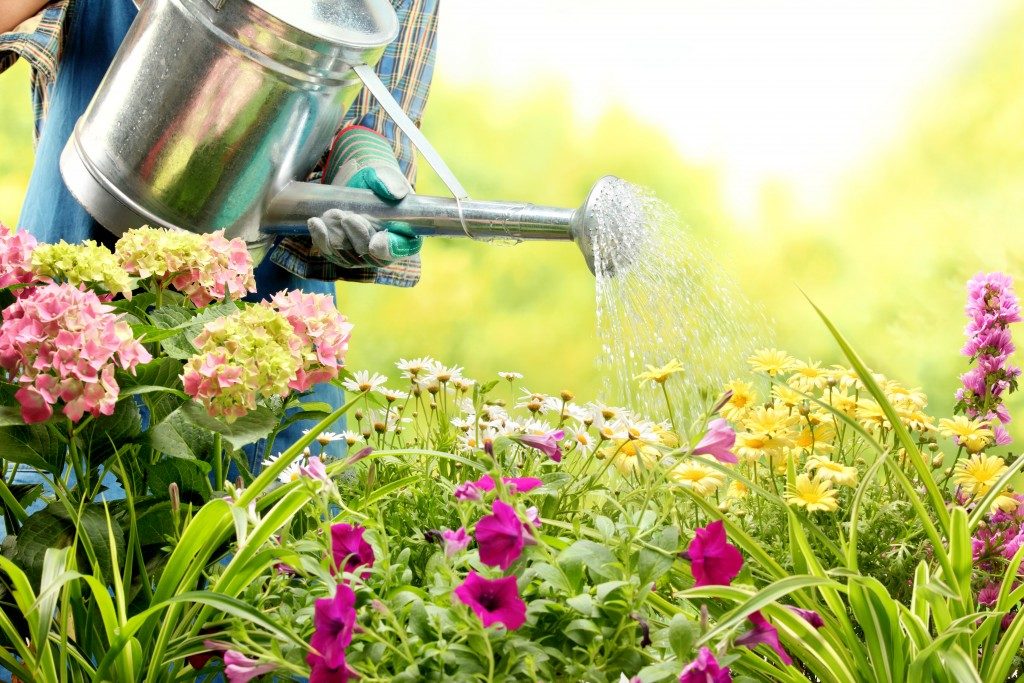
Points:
545	443
808	615
348	548
713	560
705	669
314	469
495	601
334	622
763	633
718	442
514	484
454	541
241	669
500	536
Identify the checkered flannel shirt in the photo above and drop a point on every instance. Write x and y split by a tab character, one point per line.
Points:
407	68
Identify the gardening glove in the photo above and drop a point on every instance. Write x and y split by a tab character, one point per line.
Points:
363	159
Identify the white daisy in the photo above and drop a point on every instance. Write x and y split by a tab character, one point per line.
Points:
361	382
510	376
582	438
290	473
352	438
417	367
445	374
392	395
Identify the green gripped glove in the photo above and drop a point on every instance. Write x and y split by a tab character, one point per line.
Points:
363	159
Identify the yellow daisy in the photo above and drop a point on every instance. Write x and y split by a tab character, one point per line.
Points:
973	435
750	448
870	415
808	376
629	455
833	471
978	473
737	490
771	422
841	402
742	399
817	439
660	375
813	494
697	476
1005	502
790	398
771	361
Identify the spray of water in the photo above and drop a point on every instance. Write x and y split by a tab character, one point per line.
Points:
661	296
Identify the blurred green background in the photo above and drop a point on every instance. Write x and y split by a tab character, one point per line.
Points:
887	261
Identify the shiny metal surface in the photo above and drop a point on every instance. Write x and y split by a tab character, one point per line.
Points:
289	211
206	113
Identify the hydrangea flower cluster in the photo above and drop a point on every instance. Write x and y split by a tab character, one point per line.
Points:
62	344
324	333
88	263
242	357
16	258
205	268
991	307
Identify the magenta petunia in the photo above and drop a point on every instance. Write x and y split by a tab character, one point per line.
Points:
334	620
545	443
514	484
468	490
348	548
705	669
718	442
495	601
322	672
455	541
500	536
713	560
763	632
808	615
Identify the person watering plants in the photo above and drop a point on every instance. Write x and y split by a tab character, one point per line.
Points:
71	43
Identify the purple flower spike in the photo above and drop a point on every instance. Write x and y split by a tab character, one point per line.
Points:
500	536
705	669
718	442
545	443
713	560
495	601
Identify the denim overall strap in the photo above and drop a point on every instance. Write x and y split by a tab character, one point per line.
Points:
93	33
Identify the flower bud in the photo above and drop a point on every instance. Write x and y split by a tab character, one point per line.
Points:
937	461
566	395
175	497
359	415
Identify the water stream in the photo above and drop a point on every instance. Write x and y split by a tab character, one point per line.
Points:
662	296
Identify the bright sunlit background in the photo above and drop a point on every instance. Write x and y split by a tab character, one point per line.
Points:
869	153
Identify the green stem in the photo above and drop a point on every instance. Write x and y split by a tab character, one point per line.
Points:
668	403
12	502
218	461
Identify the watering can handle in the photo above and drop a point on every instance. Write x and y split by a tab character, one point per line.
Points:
398	115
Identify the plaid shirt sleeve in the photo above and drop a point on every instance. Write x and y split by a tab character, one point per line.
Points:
37	41
406	68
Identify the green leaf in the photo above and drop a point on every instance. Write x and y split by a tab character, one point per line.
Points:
187	325
10	416
54	527
179	437
191	476
108	433
583	603
682	634
597	558
250	428
38	445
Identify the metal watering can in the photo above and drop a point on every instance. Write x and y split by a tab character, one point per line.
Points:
212	111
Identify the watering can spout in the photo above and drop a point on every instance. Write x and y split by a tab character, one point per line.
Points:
486	220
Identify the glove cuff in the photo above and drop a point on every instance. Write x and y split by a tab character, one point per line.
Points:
356	148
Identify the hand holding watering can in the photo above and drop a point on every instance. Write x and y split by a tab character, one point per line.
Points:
248	96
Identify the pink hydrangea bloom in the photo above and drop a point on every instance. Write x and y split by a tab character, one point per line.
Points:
713	560
62	344
324	333
705	669
495	601
219	269
718	442
16	258
500	536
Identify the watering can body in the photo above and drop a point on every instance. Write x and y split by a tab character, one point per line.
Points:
213	111
212	106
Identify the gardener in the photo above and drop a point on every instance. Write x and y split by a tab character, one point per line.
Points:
71	43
